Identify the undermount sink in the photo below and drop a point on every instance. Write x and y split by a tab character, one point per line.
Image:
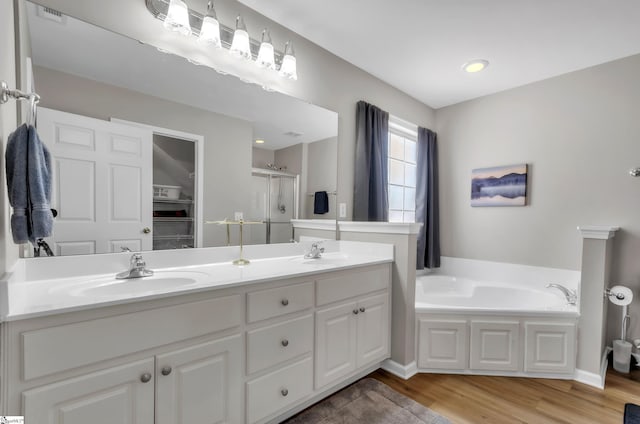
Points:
159	282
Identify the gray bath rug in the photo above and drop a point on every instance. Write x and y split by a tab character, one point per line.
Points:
368	401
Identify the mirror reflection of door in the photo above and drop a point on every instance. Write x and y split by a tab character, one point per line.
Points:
111	165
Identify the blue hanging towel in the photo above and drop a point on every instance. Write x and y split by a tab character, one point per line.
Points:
28	167
320	202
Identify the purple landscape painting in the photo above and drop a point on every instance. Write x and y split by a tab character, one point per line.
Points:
499	186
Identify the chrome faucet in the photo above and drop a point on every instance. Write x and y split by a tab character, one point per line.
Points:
315	252
137	268
571	295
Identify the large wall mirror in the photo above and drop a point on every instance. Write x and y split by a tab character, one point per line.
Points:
147	147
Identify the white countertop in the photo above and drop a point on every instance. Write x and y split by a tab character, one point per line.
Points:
29	293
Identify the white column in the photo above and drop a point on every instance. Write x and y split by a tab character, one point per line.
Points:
596	264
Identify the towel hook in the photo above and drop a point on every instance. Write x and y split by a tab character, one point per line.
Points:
33	109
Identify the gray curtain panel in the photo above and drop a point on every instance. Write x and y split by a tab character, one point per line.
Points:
370	199
427	203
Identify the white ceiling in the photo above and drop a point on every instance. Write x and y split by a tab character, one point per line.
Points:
419	46
82	49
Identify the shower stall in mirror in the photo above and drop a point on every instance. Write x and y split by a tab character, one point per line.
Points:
274	201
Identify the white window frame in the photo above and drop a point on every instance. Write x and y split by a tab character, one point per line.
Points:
408	131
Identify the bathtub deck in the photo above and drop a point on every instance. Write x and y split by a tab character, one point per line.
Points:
508	400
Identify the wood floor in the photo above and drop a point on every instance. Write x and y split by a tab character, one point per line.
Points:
496	400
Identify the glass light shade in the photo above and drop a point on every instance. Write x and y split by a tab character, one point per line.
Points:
178	17
266	58
240	46
288	67
210	30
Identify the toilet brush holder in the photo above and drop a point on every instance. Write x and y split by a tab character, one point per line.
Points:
621	356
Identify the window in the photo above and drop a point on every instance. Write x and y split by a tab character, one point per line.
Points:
402	170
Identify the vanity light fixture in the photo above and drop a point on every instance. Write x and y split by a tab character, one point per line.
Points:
476	65
259	141
210	30
288	67
177	18
207	29
240	46
266	58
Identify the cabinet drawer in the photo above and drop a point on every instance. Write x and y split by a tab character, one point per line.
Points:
277	390
271	303
278	343
351	284
65	347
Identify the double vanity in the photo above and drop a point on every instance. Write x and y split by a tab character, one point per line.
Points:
206	341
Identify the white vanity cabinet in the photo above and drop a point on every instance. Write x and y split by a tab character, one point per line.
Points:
189	385
253	353
169	361
352	331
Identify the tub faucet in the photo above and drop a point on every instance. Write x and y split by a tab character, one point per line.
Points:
315	252
137	268
571	295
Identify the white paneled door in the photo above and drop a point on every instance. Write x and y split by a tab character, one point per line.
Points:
102	183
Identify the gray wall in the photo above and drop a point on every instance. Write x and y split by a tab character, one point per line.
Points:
261	157
227	149
580	135
321	173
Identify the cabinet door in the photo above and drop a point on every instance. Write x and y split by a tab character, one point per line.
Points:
114	395
201	384
443	344
495	345
373	329
550	347
335	343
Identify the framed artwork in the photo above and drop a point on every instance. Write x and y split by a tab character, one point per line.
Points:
499	186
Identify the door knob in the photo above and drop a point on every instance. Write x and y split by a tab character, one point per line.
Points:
146	230
146	377
165	370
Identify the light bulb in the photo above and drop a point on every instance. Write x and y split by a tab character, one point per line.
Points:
288	67
178	17
210	30
266	57
240	46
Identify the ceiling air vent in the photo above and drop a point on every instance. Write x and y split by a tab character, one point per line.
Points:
292	134
51	14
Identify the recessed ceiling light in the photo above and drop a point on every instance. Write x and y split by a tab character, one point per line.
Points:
259	141
475	65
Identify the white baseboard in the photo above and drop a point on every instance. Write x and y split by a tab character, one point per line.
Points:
403	371
593	379
589	378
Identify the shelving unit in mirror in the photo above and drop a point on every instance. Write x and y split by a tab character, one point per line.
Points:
173	224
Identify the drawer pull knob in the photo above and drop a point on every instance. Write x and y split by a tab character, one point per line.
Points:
355	312
285	343
284	392
362	309
146	377
285	302
166	370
